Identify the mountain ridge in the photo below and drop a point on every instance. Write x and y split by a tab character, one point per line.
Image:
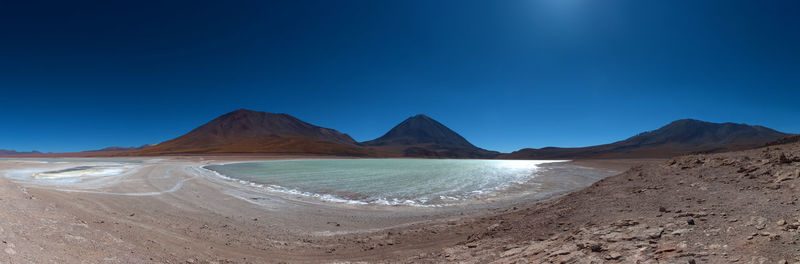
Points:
10	152
683	136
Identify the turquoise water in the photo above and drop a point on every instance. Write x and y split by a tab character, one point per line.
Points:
385	181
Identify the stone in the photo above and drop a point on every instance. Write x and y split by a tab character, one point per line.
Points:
759	222
511	252
680	231
783	159
613	255
590	245
654	233
623	223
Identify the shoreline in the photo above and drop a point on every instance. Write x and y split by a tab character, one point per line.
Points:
515	189
221	221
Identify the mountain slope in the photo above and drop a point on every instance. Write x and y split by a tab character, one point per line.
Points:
679	137
246	131
421	136
6	152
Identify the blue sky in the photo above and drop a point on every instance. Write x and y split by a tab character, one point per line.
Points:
505	74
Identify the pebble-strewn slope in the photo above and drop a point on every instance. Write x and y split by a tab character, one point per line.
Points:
737	207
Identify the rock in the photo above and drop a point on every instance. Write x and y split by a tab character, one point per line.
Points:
786	175
654	233
781	222
472	245
690	221
759	222
662	209
590	245
626	222
612	256
680	231
559	253
535	249
783	159
511	252
664	250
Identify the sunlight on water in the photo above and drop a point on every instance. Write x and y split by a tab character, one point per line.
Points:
385	181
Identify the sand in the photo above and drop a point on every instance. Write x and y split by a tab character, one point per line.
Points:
170	210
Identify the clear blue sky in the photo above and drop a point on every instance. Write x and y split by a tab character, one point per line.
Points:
505	74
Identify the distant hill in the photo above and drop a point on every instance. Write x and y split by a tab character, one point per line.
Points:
679	137
785	140
421	136
6	152
246	131
117	149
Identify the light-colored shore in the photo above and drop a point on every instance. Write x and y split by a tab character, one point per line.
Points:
170	210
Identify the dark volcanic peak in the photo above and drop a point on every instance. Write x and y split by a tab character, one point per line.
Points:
421	129
421	136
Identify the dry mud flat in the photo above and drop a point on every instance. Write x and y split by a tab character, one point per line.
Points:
738	207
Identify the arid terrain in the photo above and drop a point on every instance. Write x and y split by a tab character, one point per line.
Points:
737	207
720	208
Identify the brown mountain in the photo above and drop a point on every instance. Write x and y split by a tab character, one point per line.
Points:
421	136
246	131
677	138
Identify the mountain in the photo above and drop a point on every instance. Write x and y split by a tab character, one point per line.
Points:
421	136
246	131
6	152
118	149
677	138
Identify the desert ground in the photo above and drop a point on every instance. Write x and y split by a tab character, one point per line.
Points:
170	210
721	208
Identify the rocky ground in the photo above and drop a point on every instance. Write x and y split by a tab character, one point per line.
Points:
737	207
